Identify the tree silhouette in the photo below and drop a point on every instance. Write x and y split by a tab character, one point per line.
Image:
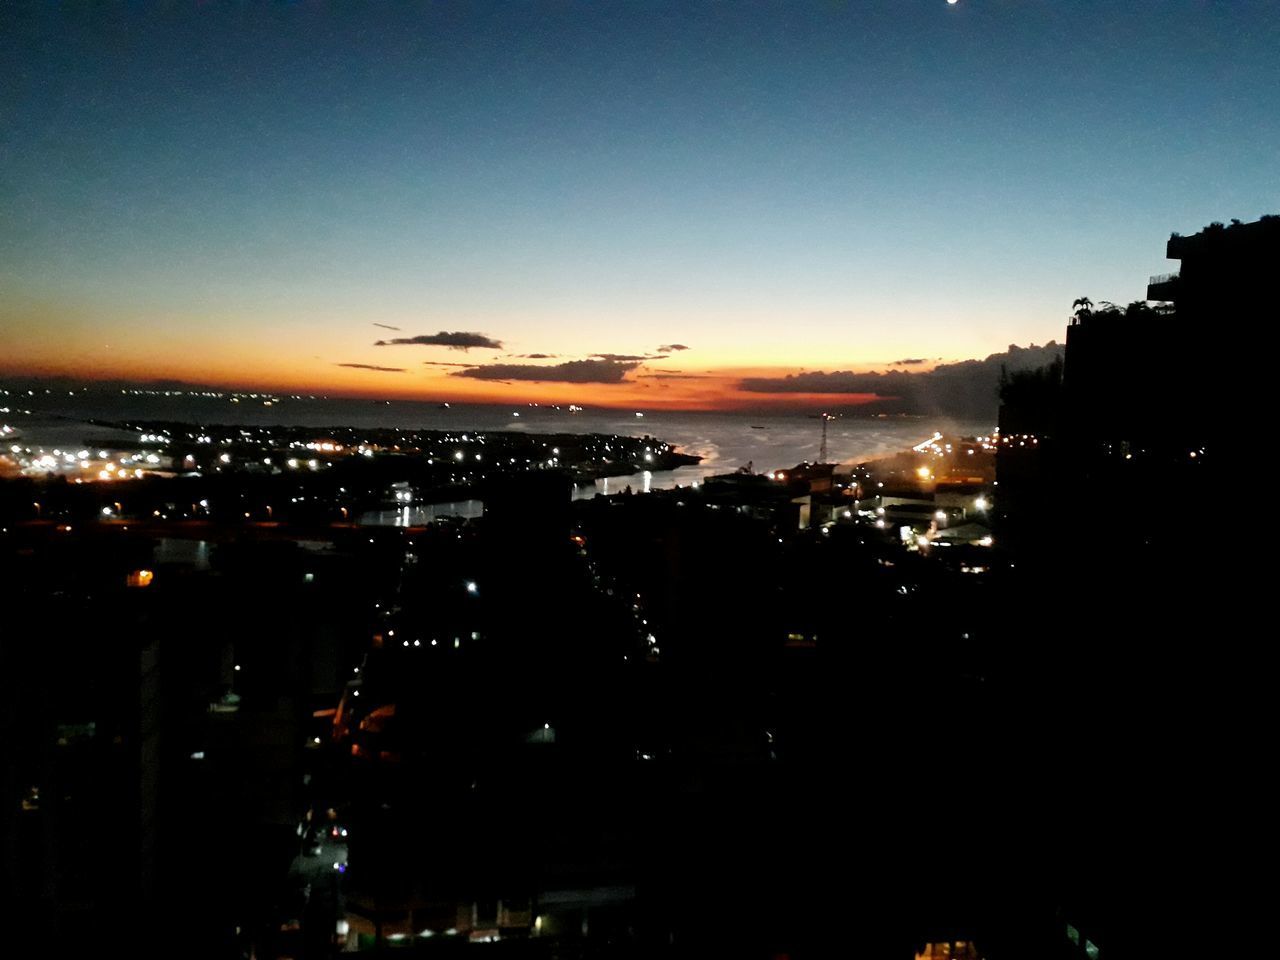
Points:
1140	310
1083	309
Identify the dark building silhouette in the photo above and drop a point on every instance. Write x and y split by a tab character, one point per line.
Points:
1158	377
1224	268
1134	672
1155	378
1147	395
531	509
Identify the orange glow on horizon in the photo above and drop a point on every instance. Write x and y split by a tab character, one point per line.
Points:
290	357
281	360
707	389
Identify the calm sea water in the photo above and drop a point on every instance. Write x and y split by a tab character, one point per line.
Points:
725	441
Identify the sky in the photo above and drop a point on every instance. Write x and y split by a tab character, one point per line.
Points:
255	194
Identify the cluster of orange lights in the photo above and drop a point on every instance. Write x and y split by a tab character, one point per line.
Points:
140	578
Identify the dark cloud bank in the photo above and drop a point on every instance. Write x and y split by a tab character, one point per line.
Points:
454	340
571	371
966	389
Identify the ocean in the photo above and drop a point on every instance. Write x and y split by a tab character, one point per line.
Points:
725	441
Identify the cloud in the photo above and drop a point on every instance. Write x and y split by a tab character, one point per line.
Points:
910	362
370	366
535	356
456	340
818	381
675	375
442	363
386	326
672	347
969	388
571	371
624	357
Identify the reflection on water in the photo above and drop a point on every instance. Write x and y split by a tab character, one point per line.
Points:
421	514
192	553
726	441
645	481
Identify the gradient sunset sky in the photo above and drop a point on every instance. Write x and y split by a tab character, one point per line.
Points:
254	194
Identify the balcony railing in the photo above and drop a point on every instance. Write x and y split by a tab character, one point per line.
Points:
1163	287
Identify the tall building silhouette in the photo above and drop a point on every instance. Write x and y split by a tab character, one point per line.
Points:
1140	669
1148	395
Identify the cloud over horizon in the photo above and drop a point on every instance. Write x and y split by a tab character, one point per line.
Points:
571	371
968	388
370	366
454	340
672	347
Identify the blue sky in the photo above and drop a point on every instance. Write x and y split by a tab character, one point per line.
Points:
821	185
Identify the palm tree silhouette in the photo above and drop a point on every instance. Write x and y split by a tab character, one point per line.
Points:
1083	308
